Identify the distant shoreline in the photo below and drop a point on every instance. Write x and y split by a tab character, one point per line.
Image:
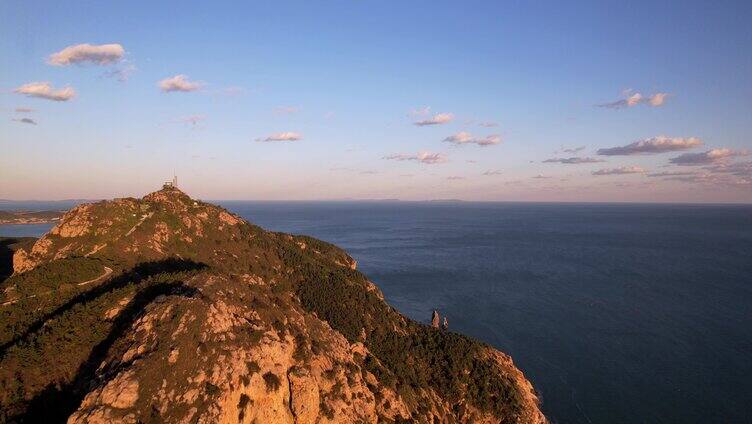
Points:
28	218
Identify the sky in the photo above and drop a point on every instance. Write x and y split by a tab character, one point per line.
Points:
640	101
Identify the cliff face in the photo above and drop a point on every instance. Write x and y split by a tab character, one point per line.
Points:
207	318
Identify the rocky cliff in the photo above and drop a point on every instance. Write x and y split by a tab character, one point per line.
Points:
167	309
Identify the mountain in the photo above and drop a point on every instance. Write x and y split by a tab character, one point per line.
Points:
168	309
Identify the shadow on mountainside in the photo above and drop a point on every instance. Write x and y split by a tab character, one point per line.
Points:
57	402
134	276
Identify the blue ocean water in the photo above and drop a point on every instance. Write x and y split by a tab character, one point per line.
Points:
618	313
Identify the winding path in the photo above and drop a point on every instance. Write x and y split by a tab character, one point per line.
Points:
105	274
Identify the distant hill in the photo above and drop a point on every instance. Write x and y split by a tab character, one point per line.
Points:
168	309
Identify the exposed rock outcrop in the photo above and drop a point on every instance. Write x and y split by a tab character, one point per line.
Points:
21	261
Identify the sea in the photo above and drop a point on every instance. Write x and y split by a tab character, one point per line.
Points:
617	313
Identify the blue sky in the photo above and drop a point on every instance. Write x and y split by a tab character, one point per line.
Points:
350	78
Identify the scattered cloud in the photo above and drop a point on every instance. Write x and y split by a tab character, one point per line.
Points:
573	160
179	82
706	158
574	150
653	145
471	161
103	54
369	172
463	137
494	172
24	110
44	90
438	119
707	178
455	177
488	124
286	110
741	169
541	177
26	121
622	170
121	74
283	136
633	99
422	157
657	99
671	174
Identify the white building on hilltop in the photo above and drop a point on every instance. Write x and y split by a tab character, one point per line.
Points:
171	184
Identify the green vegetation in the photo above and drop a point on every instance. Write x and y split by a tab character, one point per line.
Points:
412	357
51	346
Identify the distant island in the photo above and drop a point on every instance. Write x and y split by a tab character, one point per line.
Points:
30	217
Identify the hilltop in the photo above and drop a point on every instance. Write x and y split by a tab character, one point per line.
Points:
169	309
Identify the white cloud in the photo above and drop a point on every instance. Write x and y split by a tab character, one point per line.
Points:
541	177
573	160
26	121
44	90
178	83
422	157
633	99
494	172
463	137
706	158
488	124
282	136
103	54
659	144
438	119
657	99
455	177
623	170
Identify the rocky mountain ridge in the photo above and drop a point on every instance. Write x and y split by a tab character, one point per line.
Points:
208	318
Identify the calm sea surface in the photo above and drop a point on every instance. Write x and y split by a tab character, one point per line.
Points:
617	313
